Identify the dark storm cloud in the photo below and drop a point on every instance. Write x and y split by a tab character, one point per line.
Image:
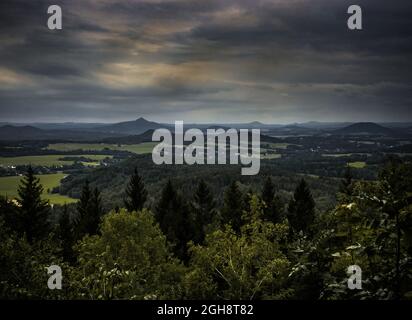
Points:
210	60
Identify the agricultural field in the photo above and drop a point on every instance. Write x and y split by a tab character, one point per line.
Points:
340	155
9	186
269	156
269	146
357	164
47	160
141	148
337	155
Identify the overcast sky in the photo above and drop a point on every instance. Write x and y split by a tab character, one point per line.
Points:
275	61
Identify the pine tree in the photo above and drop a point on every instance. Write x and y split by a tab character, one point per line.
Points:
8	213
174	220
273	206
203	209
233	205
65	231
346	186
83	208
96	212
247	198
89	210
136	194
301	210
33	211
165	204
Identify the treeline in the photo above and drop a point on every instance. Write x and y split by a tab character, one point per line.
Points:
253	246
112	181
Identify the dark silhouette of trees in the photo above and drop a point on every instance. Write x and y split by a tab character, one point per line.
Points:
173	216
65	233
90	211
136	194
9	213
396	182
273	206
233	205
346	185
203	210
301	210
33	211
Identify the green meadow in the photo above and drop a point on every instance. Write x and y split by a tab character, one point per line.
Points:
337	155
9	186
272	145
357	164
46	160
141	148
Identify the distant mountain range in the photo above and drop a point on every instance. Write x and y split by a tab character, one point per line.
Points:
30	133
147	137
131	130
365	128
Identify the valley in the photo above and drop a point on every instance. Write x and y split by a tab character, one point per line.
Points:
320	151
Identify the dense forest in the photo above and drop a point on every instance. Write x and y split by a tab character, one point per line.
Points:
208	236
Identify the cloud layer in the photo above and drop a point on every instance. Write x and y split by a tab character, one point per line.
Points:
206	61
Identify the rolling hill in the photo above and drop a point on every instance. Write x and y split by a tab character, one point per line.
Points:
147	137
9	132
135	127
20	133
365	128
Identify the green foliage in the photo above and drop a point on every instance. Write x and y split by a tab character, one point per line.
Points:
9	186
65	233
23	273
130	259
371	230
346	185
245	266
185	251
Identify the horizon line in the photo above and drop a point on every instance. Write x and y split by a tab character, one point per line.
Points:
199	123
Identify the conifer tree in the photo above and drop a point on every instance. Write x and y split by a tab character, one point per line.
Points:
83	208
247	198
65	231
89	210
136	194
203	209
165	204
273	206
301	210
174	220
268	191
33	211
346	186
96	212
8	213
233	205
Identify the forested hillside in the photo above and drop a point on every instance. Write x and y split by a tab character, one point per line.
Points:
215	238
